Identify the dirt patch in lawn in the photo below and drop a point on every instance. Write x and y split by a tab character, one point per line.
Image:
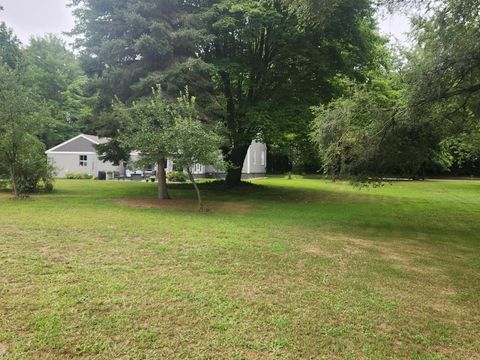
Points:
187	205
229	207
155	203
53	255
316	250
3	348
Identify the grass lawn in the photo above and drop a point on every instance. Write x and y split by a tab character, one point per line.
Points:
284	269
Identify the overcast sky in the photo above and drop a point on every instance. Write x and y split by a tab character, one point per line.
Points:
38	17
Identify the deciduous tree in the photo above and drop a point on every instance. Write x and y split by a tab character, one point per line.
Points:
10	52
145	128
21	152
192	142
53	73
435	103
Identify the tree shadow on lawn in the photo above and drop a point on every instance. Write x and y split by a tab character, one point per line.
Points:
188	205
241	200
247	191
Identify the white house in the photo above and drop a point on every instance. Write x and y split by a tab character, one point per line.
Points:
78	155
254	166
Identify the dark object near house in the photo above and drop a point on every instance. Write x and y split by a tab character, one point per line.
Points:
102	175
136	177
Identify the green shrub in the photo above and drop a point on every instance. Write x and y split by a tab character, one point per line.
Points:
48	186
35	173
28	170
3	184
78	176
176	176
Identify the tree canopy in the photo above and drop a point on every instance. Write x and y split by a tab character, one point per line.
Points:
159	129
54	75
10	52
435	106
192	142
247	62
22	158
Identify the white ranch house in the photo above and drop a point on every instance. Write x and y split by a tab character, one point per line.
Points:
78	155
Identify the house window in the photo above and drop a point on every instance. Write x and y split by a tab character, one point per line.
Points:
197	169
263	158
254	157
83	160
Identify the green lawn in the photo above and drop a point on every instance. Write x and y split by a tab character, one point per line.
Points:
284	269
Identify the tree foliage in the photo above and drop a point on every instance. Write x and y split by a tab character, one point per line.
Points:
160	129
192	142
430	122
22	158
10	52
53	74
247	62
370	135
144	128
444	69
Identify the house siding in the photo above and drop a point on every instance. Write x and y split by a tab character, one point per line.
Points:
254	166
76	146
256	160
70	163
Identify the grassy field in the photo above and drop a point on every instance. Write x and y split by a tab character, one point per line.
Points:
283	269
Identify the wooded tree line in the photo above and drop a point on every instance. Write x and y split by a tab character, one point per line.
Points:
311	78
420	116
37	90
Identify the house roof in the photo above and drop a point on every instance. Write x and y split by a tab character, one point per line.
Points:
96	139
79	144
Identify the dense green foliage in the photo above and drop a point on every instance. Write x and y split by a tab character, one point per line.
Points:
22	158
424	116
176	176
10	53
160	129
192	142
53	74
443	77
40	106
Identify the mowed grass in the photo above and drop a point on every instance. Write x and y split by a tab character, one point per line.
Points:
281	269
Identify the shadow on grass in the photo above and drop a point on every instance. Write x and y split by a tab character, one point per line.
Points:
252	191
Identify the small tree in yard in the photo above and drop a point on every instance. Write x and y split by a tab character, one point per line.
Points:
146	127
191	141
22	158
160	130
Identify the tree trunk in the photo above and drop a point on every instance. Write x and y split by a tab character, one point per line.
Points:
236	159
197	190
14	181
162	181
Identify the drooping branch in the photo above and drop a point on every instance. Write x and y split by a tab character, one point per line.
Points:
466	91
